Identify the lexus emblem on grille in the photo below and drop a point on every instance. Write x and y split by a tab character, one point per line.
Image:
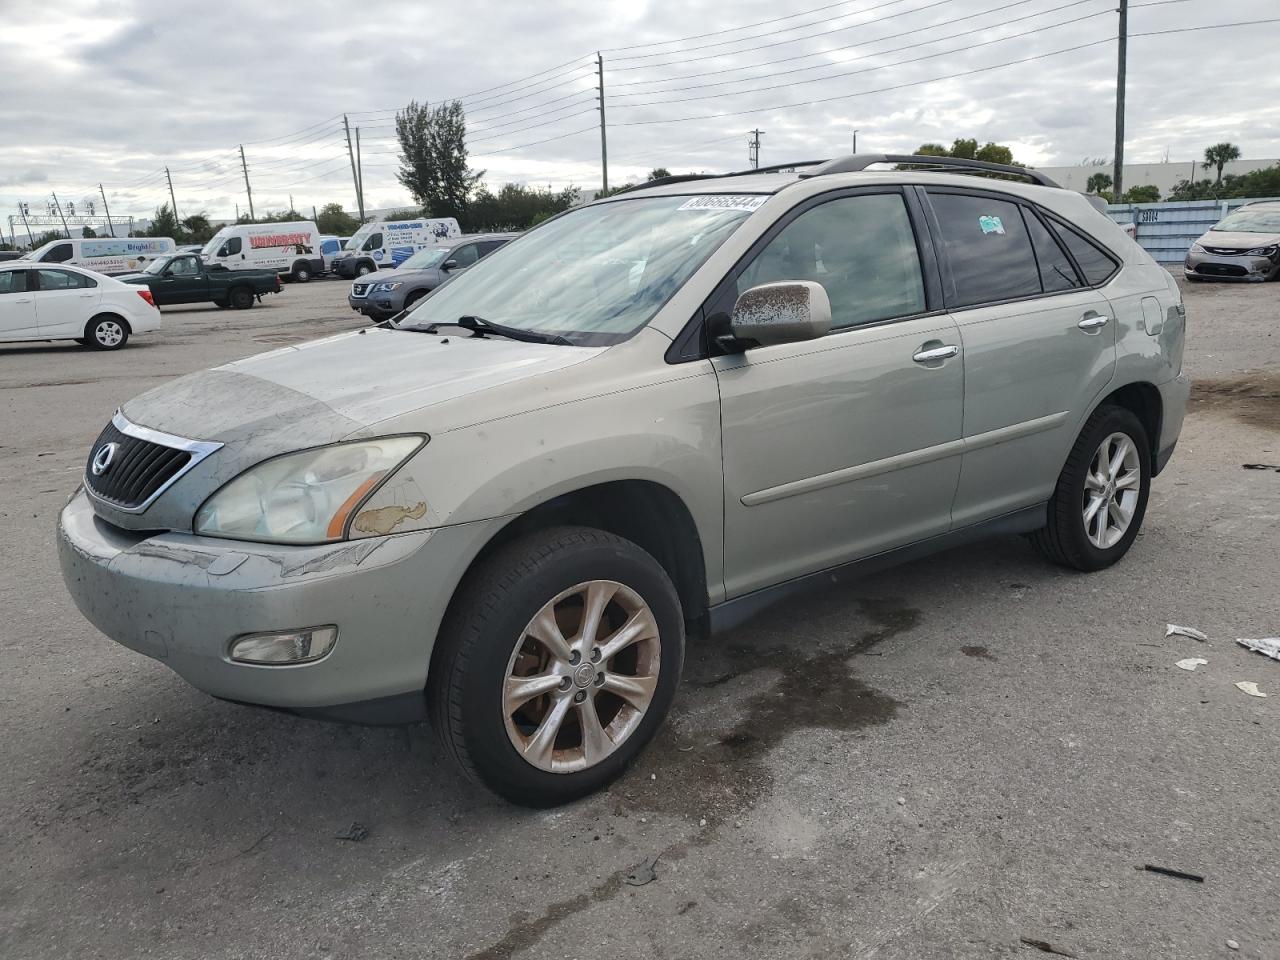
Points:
102	459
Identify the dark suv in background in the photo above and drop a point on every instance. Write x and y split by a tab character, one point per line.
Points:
384	294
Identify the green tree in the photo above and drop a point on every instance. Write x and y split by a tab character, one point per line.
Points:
1219	155
164	224
657	173
968	149
994	153
516	206
333	219
197	228
47	237
964	149
433	157
88	233
1098	182
932	150
408	213
1147	193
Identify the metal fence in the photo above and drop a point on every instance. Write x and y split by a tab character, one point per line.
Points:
1167	230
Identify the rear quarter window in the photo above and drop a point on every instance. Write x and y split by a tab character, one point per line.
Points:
1097	267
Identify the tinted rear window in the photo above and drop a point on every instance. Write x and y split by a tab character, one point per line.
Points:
988	248
1096	266
13	281
1056	271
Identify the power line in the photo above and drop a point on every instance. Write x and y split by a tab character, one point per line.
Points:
884	66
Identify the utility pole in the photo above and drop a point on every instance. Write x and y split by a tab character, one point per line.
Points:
753	147
314	216
247	189
359	170
855	140
171	199
604	143
1117	179
22	208
110	226
355	177
291	210
64	219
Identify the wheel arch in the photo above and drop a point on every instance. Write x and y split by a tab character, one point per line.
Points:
104	314
1142	399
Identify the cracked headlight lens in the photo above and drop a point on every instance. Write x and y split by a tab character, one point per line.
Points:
304	497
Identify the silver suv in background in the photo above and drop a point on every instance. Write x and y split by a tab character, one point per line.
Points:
1243	245
382	295
649	416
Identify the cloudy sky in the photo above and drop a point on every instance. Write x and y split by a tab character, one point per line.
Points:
112	92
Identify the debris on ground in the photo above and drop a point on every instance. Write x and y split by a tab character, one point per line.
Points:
1267	646
1170	872
644	873
1249	687
1173	630
1044	946
355	833
1261	466
1191	663
1233	945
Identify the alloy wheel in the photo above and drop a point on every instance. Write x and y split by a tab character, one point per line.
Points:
581	676
1111	490
108	333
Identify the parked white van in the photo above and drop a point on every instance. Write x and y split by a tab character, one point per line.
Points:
385	244
107	255
290	249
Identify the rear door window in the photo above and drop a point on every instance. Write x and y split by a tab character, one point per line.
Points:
1056	271
488	246
1096	266
63	280
13	281
988	248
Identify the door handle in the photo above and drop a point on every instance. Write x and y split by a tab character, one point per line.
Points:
1093	322
933	354
23	300
87	296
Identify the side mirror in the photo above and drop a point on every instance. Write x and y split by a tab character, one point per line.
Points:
449	265
783	312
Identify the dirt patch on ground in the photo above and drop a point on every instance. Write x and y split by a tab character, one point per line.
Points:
1252	398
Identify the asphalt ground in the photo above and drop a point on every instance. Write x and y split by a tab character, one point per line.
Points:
963	757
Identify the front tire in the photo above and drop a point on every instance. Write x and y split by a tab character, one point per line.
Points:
1101	497
557	663
106	333
363	270
301	272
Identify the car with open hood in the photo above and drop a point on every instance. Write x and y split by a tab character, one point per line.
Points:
648	417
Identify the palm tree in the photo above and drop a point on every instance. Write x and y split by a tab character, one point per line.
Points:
1219	155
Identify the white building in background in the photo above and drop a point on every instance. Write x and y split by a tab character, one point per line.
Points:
1163	176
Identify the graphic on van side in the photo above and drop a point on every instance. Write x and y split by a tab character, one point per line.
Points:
121	248
400	254
300	241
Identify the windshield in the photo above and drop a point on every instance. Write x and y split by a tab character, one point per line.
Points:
211	248
424	259
156	266
359	237
594	275
1250	221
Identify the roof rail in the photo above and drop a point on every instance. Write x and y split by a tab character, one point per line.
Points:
685	177
860	162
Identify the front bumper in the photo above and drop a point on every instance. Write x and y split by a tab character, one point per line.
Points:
181	599
1215	266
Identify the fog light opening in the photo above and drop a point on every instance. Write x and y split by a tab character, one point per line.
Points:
285	647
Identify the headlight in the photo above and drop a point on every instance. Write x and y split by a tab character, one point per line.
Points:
305	497
1196	248
391	285
1263	251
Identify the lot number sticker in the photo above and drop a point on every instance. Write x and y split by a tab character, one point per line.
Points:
991	225
724	202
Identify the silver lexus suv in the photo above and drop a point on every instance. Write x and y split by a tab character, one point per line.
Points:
648	417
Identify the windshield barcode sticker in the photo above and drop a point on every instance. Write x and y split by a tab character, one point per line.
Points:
723	202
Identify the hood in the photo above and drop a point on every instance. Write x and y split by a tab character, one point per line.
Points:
1238	241
320	391
399	273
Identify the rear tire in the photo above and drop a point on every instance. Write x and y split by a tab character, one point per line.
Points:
107	332
487	648
241	298
1101	497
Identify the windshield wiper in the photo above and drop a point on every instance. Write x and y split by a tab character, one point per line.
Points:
479	326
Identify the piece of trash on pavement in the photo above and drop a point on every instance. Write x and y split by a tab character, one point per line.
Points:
355	833
1261	466
1170	872
1191	663
1044	946
1249	687
1173	630
1233	945
1267	646
643	873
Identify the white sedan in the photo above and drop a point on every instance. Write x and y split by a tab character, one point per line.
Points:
46	302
